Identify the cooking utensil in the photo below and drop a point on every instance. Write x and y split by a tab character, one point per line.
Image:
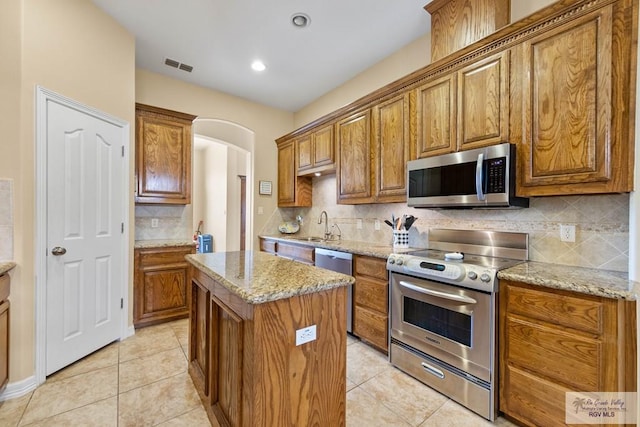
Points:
386	221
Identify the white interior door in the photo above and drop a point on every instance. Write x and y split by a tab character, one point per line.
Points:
84	231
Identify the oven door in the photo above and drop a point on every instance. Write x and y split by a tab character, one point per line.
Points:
453	324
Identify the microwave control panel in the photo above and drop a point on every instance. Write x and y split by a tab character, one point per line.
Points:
496	172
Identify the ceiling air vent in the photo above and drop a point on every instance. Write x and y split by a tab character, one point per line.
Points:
185	67
175	64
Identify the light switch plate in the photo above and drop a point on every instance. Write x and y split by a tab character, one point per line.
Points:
376	224
305	335
359	224
154	222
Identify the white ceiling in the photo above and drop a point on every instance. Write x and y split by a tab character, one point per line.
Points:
220	39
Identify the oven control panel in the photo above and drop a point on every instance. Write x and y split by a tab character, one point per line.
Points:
452	272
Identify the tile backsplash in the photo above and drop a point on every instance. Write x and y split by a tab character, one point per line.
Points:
6	219
174	222
601	221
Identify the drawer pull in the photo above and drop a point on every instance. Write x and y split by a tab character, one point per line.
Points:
433	370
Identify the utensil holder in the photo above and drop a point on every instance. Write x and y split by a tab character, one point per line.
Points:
400	238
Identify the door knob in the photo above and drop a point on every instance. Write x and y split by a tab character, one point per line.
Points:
57	251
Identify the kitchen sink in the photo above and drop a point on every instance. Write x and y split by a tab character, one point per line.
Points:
310	239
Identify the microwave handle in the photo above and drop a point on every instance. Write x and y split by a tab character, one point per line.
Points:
479	177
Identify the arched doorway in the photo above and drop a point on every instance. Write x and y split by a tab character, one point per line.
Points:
222	190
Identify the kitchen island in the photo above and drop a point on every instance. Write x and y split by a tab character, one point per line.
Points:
267	340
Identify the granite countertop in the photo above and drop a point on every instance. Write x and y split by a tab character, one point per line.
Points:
6	266
162	243
604	283
590	281
259	277
377	250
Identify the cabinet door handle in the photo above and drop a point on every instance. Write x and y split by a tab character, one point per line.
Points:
57	251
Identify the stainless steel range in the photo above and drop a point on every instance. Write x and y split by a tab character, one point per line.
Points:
443	306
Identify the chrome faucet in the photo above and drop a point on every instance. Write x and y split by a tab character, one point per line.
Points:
327	234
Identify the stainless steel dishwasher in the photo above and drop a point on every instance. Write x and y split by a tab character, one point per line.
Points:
341	262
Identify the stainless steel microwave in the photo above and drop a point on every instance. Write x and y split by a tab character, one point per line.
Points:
479	178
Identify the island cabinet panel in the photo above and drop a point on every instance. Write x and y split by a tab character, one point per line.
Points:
371	301
226	363
354	176
553	342
391	135
163	156
483	102
199	336
293	190
575	92
257	375
435	112
161	284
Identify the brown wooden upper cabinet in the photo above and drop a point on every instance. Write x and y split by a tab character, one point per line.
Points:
373	150
293	190
354	180
573	138
464	109
435	112
483	102
163	156
392	148
316	151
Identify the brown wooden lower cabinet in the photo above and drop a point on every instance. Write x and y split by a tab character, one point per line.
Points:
245	364
371	301
161	282
553	342
296	252
4	330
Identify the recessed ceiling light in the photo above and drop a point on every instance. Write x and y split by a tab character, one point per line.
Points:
258	65
300	20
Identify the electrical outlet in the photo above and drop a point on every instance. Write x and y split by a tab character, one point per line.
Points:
154	222
359	224
305	335
376	224
567	233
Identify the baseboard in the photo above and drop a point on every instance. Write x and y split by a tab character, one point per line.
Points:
19	388
129	332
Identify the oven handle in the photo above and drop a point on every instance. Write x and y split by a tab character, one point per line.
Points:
445	295
433	370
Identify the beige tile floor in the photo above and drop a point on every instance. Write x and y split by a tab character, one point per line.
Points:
143	381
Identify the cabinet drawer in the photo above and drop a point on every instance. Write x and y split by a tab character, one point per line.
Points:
369	266
583	313
301	253
164	256
372	293
532	400
370	326
268	246
566	358
4	287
